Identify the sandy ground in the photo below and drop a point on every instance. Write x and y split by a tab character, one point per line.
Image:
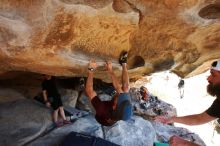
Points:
195	100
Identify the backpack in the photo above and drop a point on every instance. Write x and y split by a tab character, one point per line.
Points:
79	139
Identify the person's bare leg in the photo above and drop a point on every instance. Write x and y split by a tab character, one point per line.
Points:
115	81
89	82
55	115
125	78
62	113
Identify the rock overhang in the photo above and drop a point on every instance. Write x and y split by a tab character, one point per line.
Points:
59	37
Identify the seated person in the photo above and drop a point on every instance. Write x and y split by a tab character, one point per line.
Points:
145	95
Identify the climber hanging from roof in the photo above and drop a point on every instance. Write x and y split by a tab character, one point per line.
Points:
119	108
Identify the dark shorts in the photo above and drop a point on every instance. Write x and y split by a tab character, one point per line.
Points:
56	102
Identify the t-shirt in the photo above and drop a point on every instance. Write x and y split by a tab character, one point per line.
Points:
50	87
214	109
103	111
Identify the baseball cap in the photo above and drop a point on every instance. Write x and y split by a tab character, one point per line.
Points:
216	65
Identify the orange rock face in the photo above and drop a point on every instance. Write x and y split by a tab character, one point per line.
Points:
59	37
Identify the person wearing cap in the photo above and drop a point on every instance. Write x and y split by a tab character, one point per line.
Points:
212	113
119	108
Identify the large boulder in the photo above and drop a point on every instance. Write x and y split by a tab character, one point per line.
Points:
28	122
136	132
9	95
69	97
22	121
164	132
59	37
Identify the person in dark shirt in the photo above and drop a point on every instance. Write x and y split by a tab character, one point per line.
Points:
212	113
119	108
53	98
